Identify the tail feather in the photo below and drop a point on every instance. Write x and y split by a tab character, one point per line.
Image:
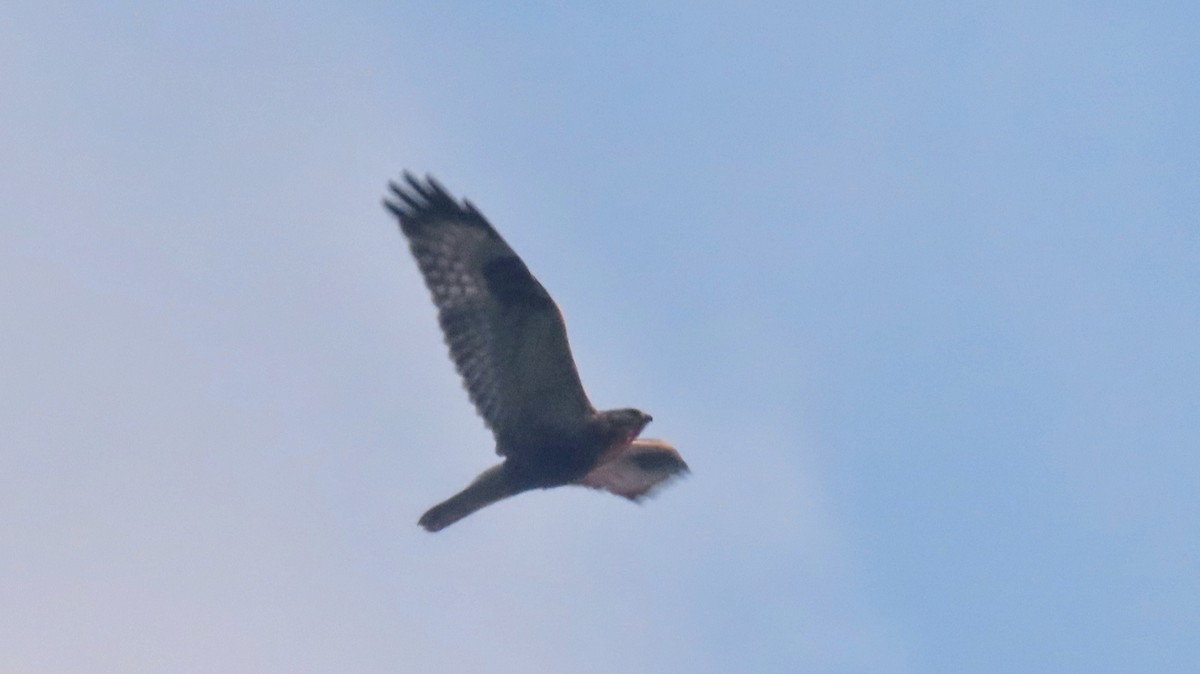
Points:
492	485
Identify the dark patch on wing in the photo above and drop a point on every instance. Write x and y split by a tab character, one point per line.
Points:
511	284
657	461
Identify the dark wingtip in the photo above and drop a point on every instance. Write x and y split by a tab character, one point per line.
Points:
416	185
392	208
437	188
412	197
411	203
660	461
418	202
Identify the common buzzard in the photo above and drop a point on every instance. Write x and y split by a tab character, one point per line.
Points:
509	343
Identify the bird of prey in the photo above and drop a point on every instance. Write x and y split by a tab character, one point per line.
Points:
508	341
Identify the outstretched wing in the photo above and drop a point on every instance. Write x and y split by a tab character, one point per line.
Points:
637	469
506	336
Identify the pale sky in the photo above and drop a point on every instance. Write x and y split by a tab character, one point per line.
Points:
915	289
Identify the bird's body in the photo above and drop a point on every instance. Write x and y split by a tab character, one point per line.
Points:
508	341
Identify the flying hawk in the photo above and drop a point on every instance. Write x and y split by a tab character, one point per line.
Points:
508	341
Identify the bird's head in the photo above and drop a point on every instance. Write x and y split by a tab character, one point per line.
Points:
626	424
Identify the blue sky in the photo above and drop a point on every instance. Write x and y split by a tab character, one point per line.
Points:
913	288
